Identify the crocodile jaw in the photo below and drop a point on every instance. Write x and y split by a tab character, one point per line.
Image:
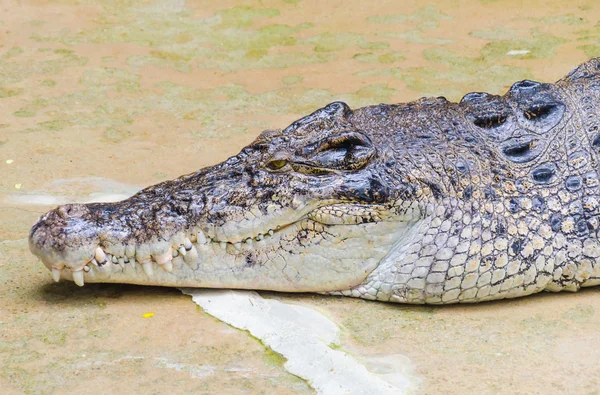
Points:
302	256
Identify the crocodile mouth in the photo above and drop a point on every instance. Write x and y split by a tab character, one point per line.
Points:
98	259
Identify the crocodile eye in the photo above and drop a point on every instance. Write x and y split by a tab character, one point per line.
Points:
349	150
277	164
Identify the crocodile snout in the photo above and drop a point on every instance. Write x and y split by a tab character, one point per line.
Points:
64	238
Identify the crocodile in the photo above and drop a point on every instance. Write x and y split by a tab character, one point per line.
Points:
424	202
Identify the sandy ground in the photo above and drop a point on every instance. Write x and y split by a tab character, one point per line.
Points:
103	98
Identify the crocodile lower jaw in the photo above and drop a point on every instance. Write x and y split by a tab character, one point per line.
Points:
182	260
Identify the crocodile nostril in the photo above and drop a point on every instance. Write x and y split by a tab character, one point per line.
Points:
71	210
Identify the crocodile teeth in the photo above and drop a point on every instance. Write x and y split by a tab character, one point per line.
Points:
168	266
164	257
201	238
147	266
78	277
238	246
271	232
260	237
223	244
56	275
99	255
106	268
121	261
130	250
192	256
249	241
182	250
187	243
86	269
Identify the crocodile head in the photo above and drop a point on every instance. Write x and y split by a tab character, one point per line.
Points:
314	207
425	202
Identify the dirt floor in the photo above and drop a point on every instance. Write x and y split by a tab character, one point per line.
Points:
98	99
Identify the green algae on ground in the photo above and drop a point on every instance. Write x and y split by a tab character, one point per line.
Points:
568	19
417	37
161	59
243	16
24	356
540	45
54	336
14	70
12	52
115	135
24	114
331	42
425	18
483	73
579	313
455	82
371	324
592	49
495	33
8	92
385	58
226	40
273	358
292	80
543	326
55	124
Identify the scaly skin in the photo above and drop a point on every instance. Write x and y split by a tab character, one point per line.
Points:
426	202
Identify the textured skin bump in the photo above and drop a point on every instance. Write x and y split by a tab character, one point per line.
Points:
425	202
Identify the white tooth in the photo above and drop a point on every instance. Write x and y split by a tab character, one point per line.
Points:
106	268
168	266
182	250
94	262
249	241
271	232
78	277
223	244
165	257
56	275
175	253
187	243
260	237
121	261
147	266
130	250
100	255
192	256
238	246
114	259
201	238
86	269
